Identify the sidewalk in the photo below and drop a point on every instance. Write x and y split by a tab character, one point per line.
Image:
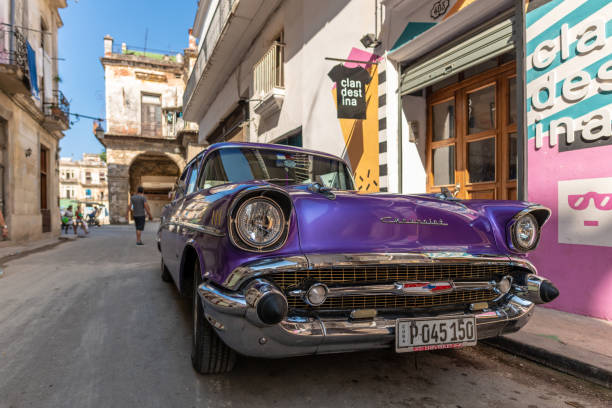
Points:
574	344
25	248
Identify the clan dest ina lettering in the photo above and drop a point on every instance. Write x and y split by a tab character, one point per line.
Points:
581	40
351	90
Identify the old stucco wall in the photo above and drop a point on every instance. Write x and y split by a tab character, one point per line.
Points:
124	89
22	178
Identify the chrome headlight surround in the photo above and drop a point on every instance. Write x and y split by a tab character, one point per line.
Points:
532	217
280	206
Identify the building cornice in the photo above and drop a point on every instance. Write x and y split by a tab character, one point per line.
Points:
141	62
119	139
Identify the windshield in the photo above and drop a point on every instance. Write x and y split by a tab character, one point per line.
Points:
235	165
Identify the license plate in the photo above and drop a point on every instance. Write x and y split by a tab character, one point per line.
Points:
434	333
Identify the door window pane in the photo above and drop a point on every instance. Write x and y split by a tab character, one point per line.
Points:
444	120
481	110
481	160
444	165
513	156
512	100
191	186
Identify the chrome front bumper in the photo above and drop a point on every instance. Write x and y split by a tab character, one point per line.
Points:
237	324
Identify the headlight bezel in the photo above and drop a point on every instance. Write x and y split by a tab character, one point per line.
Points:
539	214
276	198
239	228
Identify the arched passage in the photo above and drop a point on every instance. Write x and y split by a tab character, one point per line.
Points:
156	173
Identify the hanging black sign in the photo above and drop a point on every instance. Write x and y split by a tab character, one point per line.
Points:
351	90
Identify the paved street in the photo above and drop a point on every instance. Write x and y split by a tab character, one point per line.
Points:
90	324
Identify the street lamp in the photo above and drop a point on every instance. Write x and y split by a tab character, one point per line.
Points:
370	41
99	131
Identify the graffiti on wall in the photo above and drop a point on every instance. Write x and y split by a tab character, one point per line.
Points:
359	123
569	130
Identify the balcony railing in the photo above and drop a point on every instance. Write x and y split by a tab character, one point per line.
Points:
13	49
14	73
268	71
57	111
181	126
222	13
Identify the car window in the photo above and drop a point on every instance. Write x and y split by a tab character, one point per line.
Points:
213	173
193	177
235	165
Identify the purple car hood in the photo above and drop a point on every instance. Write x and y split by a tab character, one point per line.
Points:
354	223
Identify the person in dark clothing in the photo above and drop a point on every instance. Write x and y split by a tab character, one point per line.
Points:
139	207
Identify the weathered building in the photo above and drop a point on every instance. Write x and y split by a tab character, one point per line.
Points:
147	141
33	114
84	182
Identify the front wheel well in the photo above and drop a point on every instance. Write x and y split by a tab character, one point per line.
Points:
190	257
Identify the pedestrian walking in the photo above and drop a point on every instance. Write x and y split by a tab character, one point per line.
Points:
139	207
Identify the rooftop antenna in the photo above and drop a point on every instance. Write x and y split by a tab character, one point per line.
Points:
145	43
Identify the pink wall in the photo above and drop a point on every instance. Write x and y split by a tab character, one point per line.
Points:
583	273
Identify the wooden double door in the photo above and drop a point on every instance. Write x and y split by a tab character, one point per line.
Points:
472	137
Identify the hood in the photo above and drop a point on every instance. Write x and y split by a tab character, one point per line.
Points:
354	223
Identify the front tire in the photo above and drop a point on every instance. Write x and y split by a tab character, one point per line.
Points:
209	355
165	273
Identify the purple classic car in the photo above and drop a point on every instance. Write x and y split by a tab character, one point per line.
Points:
282	257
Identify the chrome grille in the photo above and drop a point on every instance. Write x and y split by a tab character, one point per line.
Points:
391	273
396	302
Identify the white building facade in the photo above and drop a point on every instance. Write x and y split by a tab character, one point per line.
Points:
84	182
263	75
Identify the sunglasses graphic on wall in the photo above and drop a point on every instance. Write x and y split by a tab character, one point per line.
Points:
581	201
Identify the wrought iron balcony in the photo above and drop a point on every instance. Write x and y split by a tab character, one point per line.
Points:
57	112
14	74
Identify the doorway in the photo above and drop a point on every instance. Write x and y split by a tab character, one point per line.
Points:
472	136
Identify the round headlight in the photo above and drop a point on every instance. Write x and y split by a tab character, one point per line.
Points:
316	295
525	232
260	222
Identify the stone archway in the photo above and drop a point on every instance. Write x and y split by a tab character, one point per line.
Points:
156	173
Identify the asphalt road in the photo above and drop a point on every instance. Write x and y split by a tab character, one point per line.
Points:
90	324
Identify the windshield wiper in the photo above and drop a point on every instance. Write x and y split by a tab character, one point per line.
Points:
279	179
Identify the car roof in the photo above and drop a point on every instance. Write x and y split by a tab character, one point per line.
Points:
270	146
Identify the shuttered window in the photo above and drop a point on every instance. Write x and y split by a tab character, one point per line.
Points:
151	125
472	49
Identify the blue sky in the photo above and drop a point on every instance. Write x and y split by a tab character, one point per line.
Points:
80	43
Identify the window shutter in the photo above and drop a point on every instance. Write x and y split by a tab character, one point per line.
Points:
473	50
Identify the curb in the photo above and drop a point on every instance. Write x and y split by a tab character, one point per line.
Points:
565	364
21	254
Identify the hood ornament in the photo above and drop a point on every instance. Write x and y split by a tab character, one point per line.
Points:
428	221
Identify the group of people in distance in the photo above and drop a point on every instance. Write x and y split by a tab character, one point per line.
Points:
73	219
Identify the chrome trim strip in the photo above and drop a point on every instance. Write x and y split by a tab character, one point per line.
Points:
395	289
200	228
314	261
263	267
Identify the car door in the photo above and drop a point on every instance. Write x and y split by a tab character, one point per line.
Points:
185	210
170	226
